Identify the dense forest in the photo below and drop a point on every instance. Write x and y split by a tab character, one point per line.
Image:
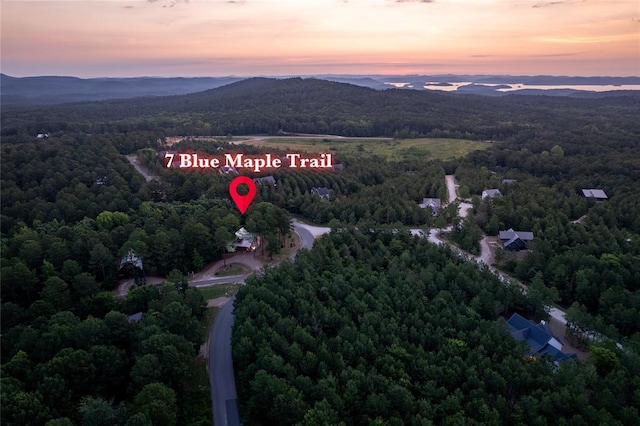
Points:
382	328
71	354
338	336
588	251
269	106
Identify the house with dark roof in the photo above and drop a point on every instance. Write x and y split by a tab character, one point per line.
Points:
321	192
539	338
432	203
267	180
515	240
338	166
596	194
491	193
508	181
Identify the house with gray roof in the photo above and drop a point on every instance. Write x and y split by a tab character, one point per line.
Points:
432	203
515	240
491	193
596	194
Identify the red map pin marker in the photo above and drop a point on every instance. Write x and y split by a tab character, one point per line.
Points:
242	201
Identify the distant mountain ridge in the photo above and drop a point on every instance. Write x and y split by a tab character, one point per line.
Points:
48	90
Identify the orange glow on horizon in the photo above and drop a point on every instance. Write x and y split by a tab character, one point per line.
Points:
287	37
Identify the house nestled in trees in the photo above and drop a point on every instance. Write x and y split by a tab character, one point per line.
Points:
539	338
596	194
321	192
131	266
245	241
515	240
433	203
491	193
267	180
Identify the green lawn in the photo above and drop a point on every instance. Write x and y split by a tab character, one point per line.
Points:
233	269
391	149
215	291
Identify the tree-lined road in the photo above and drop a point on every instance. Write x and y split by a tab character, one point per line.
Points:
221	377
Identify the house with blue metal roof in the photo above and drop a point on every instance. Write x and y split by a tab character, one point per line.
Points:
539	338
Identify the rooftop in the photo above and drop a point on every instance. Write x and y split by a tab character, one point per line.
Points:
594	193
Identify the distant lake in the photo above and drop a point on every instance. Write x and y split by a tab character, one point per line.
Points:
589	87
510	87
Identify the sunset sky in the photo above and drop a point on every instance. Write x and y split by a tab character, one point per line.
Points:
120	38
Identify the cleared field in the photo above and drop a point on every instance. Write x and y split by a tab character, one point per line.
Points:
391	149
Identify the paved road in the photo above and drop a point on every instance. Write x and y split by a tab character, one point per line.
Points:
231	279
308	233
223	384
133	159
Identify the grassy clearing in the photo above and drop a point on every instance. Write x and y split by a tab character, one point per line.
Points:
391	149
233	269
222	290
